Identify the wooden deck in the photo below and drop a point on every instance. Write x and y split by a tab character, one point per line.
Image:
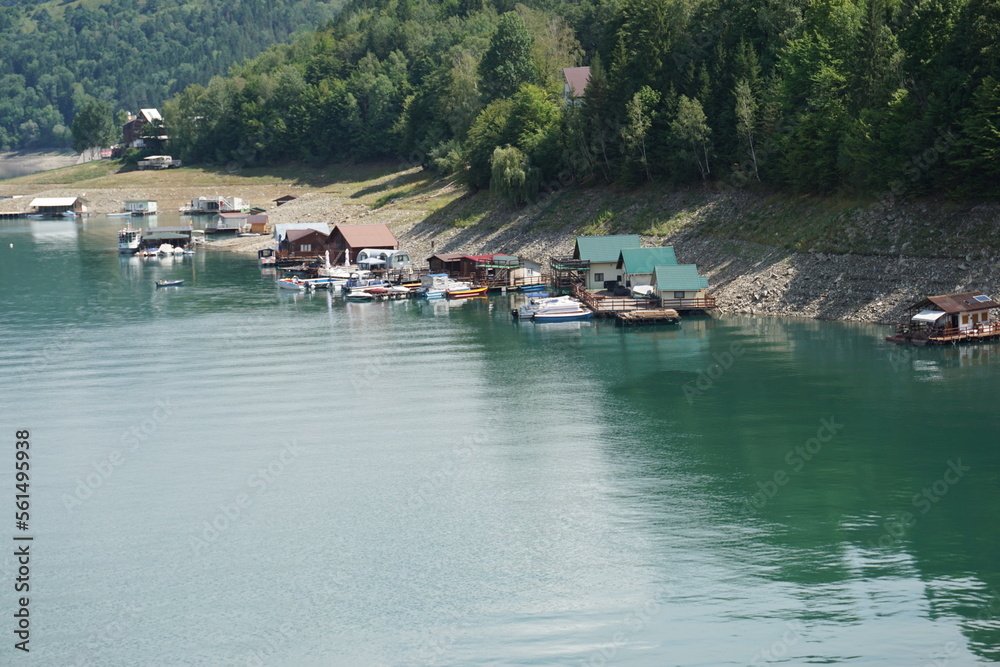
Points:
979	332
648	316
609	306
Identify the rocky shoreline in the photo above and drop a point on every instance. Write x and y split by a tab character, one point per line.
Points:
745	277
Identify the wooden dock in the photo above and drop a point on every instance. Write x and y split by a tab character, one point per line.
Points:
986	331
647	316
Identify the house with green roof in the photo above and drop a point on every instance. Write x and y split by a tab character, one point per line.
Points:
679	286
636	264
602	253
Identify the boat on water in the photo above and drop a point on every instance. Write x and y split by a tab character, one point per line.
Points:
459	290
552	309
359	296
540	287
294	284
129	240
433	285
361	281
169	283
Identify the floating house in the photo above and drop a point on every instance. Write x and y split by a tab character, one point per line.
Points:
56	206
214	205
352	239
681	287
594	263
179	237
281	229
303	243
636	264
140	206
948	318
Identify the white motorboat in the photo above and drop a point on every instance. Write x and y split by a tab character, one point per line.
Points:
129	240
552	309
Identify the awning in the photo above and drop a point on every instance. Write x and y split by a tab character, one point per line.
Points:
929	316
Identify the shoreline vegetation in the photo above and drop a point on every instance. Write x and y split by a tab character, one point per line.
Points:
764	253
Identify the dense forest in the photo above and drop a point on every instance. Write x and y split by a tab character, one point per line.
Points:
899	96
128	54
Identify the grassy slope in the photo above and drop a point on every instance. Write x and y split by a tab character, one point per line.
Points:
791	222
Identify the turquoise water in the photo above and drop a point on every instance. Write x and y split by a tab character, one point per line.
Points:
229	474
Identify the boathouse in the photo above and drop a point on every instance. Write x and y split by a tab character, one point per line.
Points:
636	264
56	205
948	318
281	229
302	243
681	287
595	259
140	206
352	239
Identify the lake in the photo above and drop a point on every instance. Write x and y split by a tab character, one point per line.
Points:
229	474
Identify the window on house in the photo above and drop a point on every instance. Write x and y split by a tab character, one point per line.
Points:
678	295
598	277
305	247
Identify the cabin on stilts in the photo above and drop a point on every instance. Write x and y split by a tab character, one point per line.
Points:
948	318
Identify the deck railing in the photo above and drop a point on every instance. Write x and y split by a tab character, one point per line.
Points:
703	303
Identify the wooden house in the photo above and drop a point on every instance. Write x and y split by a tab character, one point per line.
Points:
133	132
352	239
636	264
681	287
257	223
948	318
281	229
302	243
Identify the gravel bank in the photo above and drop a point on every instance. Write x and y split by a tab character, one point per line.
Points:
745	277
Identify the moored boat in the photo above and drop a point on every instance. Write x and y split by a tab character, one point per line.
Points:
464	290
293	284
169	283
129	240
552	309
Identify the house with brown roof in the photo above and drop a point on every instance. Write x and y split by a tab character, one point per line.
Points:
948	318
302	243
354	238
575	80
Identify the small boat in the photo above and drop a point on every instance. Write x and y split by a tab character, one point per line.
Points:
293	284
540	287
433	285
464	291
169	283
359	296
552	309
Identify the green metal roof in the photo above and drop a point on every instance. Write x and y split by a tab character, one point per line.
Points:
642	260
604	248
679	277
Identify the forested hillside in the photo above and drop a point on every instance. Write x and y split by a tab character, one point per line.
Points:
128	53
883	96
